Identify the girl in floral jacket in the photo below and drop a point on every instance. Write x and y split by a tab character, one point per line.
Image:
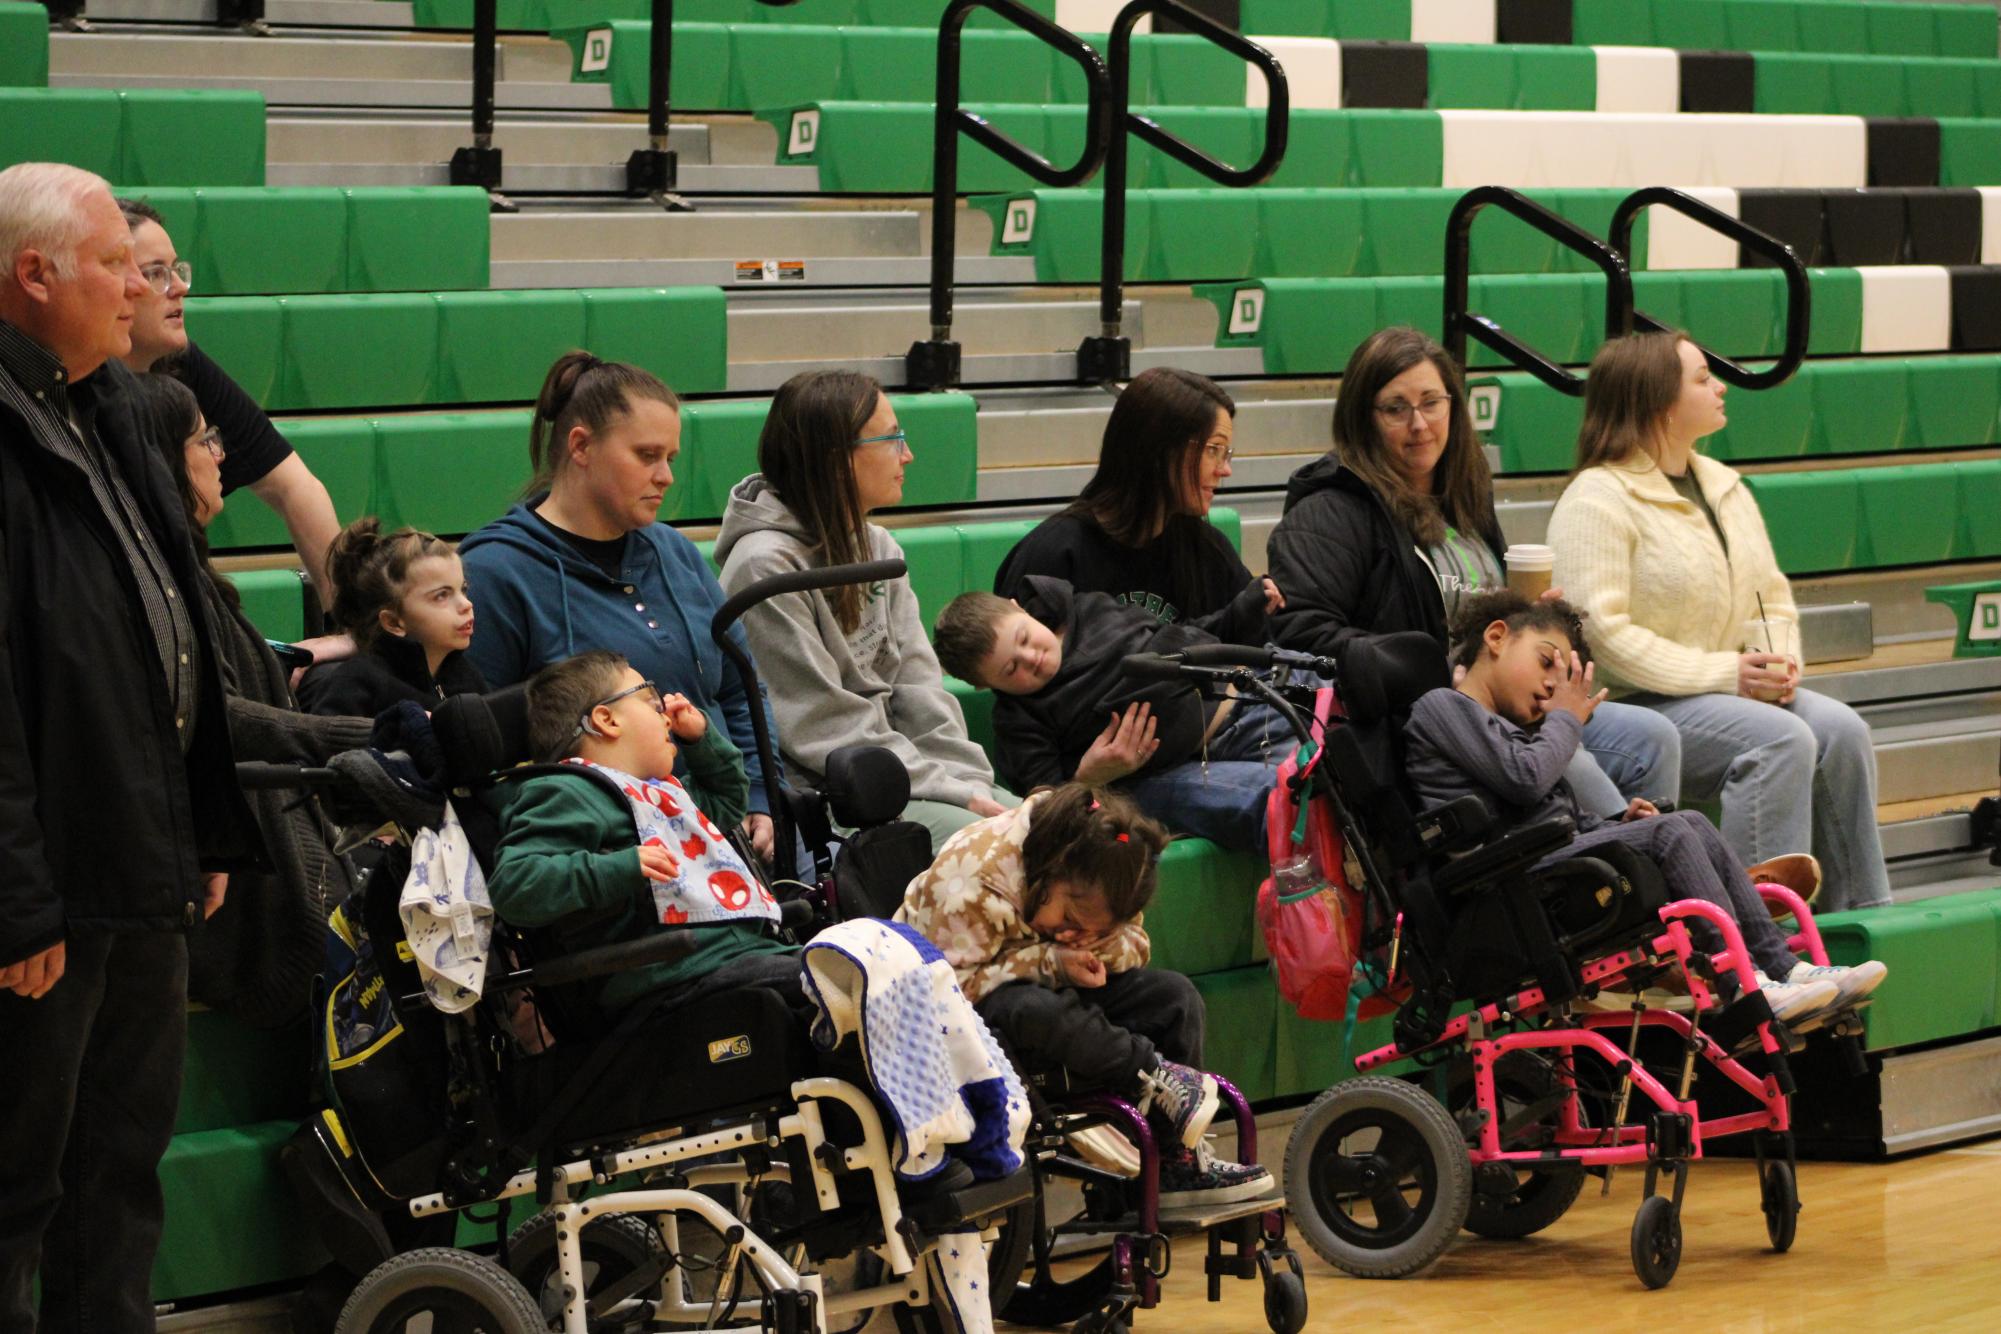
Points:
1039	911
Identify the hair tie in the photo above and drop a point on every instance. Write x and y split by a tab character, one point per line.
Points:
1122	838
1094	803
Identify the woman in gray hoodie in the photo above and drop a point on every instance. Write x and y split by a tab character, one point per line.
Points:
848	666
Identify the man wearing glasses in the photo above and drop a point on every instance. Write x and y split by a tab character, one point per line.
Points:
259	457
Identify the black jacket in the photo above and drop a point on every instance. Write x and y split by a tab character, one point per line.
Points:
104	824
1347	567
1230	603
388	672
1039	738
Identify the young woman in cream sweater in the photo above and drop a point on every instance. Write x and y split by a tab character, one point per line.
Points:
1667	553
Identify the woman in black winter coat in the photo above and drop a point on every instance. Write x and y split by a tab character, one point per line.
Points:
1140	529
256	957
1389	529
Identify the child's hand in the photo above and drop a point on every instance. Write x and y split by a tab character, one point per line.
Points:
1639	808
1573	689
1080	968
656	863
1125	745
684	720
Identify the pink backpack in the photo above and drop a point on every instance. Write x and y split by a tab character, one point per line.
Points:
1314	934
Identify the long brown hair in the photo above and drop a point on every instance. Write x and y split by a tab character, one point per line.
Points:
806	451
582	391
1147	468
1632	385
1098	842
1462	489
167	413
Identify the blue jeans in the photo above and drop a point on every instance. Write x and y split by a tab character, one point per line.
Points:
1223	797
1628	751
1792	777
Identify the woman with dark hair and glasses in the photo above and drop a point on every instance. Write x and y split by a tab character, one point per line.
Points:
1396	524
256	956
850	665
1140	529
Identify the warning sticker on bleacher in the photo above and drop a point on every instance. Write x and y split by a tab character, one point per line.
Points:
1485	401
596	56
1984	625
771	270
805	133
1247	310
1019	228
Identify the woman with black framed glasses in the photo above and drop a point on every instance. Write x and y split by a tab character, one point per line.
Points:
851	665
1140	528
1393	526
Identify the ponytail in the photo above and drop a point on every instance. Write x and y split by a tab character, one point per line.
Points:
368	568
581	390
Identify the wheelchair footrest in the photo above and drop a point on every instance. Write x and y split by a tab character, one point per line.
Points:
950	1209
1196	1217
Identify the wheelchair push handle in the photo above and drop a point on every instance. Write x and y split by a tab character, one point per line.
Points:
801	581
259	776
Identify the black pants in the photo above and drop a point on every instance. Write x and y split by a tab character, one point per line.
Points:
93	1071
1097	1039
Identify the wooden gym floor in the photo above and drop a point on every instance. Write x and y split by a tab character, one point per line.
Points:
1907	1245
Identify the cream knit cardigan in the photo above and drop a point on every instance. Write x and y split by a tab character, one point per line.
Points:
1667	606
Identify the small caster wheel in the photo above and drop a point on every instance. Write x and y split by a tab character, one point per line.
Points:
1779	1196
1285	1302
1656	1241
1100	1322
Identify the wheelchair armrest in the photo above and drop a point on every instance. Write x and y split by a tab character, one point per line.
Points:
949	1210
1521	849
659	947
1458	824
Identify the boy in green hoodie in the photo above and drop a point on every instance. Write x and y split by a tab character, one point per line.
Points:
625	849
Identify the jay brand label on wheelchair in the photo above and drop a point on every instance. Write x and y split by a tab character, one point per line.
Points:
729	1049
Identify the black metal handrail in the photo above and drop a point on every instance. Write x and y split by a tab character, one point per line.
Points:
1108	356
1799	293
934	363
479	165
654	171
1460	321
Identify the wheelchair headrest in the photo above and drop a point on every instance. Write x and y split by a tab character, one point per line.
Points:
866	785
481	733
1382	676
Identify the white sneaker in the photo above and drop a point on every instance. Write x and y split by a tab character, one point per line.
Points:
1794	1000
1852	983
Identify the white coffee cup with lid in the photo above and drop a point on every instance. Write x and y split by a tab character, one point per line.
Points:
1530	568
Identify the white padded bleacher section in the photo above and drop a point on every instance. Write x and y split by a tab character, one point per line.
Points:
1990	224
1906	308
1094	15
1583	149
1470	21
1677	241
1638	78
1312	72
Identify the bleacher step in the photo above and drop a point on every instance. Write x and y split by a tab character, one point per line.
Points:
278	13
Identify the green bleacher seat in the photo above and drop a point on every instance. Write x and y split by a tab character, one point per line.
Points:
255	1238
1243	1008
455	227
274	601
1877	28
75	125
1862	518
24	45
1944	956
322	352
138	137
1976	611
1512	78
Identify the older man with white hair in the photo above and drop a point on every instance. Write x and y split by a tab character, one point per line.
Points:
116	781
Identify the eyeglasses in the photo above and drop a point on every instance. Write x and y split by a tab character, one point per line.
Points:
646	688
211	440
1433	408
1219	453
160	277
896	437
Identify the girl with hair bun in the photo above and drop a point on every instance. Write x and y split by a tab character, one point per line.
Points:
583	562
401	596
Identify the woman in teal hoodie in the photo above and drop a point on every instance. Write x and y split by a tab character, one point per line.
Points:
583	562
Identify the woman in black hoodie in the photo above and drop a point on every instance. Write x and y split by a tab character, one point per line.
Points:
1389	529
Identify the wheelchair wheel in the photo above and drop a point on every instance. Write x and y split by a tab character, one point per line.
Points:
1508	1204
439	1288
1377	1178
1285	1303
1656	1241
1779	1196
614	1246
1031	1293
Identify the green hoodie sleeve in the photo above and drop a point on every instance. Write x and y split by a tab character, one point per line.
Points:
549	865
715	777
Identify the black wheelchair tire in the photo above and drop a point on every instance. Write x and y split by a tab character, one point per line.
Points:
1285	1302
614	1245
439	1280
1778	1194
1656	1241
1423	1142
1541	1196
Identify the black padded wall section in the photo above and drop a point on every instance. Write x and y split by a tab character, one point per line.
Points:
1385	74
1976	309
1532	22
1793	216
1903	151
1229	13
1864	227
1718	81
1944	226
